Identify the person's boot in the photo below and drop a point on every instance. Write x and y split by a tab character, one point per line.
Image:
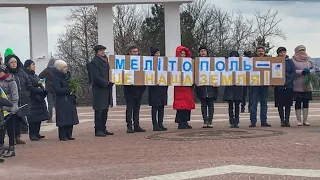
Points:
10	153
100	134
155	124
287	116
2	150
281	115
19	140
205	124
305	117
162	127
210	125
137	128
130	129
34	138
298	115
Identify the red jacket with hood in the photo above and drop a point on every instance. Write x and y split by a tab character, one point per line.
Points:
183	95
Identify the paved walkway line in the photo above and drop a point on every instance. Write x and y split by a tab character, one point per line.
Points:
207	172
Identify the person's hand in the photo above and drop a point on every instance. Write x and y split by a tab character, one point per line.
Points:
14	109
305	71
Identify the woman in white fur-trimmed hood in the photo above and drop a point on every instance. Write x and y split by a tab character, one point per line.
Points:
66	111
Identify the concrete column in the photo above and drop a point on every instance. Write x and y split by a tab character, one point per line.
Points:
172	34
105	34
38	34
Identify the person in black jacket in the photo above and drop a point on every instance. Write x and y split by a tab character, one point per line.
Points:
101	90
6	103
233	94
207	96
158	97
38	106
133	96
283	95
66	109
25	88
245	88
51	97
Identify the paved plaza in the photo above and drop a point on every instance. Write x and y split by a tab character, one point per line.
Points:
199	154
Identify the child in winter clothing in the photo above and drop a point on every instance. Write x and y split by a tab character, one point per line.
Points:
9	87
233	94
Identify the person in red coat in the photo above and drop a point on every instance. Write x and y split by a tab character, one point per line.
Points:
183	97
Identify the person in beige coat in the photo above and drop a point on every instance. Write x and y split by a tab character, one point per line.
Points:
302	92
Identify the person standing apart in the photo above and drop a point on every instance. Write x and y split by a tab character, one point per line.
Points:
283	95
234	95
133	95
157	98
183	97
207	95
259	94
51	97
66	110
10	88
101	90
302	92
38	106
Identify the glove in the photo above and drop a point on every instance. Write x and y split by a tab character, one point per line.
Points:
305	71
14	109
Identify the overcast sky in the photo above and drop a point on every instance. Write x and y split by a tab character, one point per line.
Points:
300	22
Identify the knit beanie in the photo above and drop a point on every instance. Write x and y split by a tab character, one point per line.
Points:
234	54
203	47
300	47
280	49
153	51
59	64
27	63
8	52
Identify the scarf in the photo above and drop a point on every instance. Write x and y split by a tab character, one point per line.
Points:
301	57
4	77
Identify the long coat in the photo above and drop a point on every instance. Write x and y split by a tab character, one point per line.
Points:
10	88
101	87
158	95
66	110
183	95
24	86
233	93
38	106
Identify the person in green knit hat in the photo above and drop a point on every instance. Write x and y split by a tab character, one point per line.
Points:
8	52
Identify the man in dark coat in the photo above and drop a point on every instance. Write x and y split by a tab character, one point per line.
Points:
133	96
51	97
158	97
207	96
101	90
25	88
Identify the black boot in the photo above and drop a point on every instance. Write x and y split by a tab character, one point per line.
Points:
139	129
287	116
2	150
130	129
100	134
10	153
154	119
34	138
281	115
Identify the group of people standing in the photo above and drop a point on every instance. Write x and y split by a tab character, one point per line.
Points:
23	101
293	89
25	96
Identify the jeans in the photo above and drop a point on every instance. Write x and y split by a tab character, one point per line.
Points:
133	111
234	111
51	97
258	94
100	120
207	105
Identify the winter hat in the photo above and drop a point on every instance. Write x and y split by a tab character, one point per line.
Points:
59	64
98	48
8	52
3	68
27	63
280	49
203	47
153	51
300	47
234	54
